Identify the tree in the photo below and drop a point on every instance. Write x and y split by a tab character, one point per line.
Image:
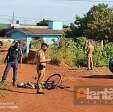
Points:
2	32
43	22
96	24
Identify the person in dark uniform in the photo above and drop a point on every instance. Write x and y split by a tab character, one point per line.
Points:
13	56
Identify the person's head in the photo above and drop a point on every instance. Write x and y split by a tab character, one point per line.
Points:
16	45
89	43
44	47
19	41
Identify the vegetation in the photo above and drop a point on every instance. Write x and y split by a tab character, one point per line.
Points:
43	22
73	53
97	24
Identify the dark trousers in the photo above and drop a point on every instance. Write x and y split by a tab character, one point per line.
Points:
10	65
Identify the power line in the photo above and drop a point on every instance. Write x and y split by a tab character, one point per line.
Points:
14	18
92	0
17	17
95	1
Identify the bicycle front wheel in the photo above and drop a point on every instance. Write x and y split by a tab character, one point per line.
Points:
53	81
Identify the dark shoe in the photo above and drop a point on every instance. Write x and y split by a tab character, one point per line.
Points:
88	69
2	81
40	92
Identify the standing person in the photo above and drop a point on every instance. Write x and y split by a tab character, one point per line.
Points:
12	58
41	66
90	50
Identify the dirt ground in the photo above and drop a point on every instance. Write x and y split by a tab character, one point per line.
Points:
58	100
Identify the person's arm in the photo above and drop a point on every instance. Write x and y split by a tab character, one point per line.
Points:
21	59
93	49
21	55
35	58
6	58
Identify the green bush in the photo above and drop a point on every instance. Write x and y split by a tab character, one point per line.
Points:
68	51
36	44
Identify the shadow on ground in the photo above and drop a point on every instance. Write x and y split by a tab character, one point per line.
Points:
99	76
16	91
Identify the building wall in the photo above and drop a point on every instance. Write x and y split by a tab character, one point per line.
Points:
55	25
18	36
21	36
28	38
48	38
27	26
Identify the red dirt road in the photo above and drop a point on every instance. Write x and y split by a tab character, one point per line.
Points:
59	100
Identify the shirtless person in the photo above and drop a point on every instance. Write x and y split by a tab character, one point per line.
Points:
90	50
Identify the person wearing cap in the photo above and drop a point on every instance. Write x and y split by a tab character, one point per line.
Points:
12	59
90	50
41	62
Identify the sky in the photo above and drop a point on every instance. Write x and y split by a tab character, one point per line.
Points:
31	11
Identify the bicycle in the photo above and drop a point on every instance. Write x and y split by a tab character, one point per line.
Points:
54	81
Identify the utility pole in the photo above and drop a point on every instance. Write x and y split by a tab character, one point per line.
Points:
13	16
